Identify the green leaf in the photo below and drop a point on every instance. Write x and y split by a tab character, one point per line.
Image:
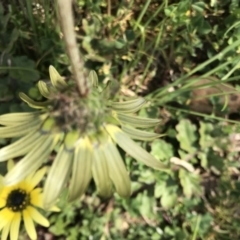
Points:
161	150
14	37
205	135
203	159
130	35
198	7
215	162
119	44
146	203
190	183
34	93
186	135
25	71
168	199
159	189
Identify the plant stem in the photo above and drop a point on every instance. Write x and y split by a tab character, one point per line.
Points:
77	64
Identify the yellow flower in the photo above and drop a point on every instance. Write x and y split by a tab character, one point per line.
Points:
84	132
21	201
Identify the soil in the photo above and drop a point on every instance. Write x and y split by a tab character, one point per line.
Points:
206	88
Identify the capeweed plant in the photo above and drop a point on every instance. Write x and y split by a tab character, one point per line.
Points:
151	220
84	131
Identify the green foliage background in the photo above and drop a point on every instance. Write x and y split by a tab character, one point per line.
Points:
145	45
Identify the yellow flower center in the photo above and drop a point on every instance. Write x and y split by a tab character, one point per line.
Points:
18	200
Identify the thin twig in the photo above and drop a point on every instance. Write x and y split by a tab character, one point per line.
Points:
67	26
109	7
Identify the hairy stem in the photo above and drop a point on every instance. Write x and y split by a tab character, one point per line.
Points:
67	26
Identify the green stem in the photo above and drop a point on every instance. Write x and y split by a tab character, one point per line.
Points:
196	229
198	114
77	64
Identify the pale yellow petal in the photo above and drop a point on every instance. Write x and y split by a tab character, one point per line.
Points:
2	225
14	230
5	231
1	180
37	217
20	129
11	119
6	190
6	215
117	170
100	173
135	121
30	162
44	89
57	177
36	197
29	225
20	147
26	186
81	170
3	222
2	202
32	103
10	164
1	183
129	106
93	78
54	209
133	149
140	134
56	79
34	179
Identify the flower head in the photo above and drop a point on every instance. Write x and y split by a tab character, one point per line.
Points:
22	201
84	132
